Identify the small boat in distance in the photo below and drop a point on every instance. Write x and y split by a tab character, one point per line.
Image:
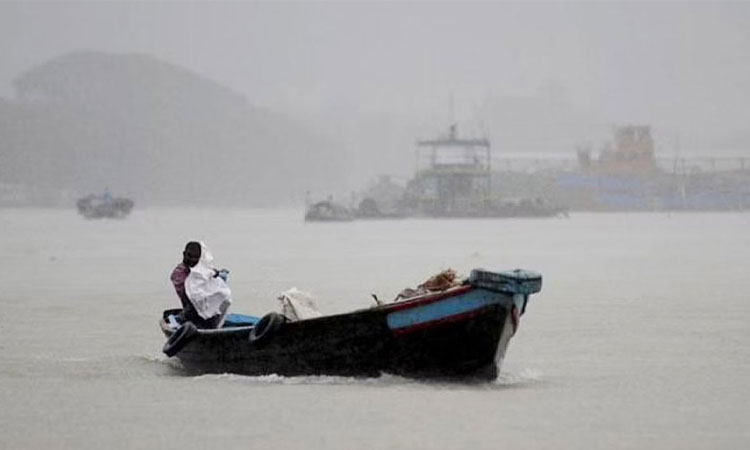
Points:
328	211
104	206
444	329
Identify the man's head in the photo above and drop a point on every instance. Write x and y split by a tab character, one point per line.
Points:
192	253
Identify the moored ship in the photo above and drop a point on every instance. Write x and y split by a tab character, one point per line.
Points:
627	176
454	179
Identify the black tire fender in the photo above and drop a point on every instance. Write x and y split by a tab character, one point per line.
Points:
266	327
180	338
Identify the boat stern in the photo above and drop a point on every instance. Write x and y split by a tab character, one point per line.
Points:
463	330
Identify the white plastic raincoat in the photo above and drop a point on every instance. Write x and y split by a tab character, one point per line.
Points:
209	294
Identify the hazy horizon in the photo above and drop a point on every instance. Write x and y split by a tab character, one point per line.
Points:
328	96
680	67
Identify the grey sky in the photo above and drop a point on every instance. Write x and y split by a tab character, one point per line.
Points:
681	66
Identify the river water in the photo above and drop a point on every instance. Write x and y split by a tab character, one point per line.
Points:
639	339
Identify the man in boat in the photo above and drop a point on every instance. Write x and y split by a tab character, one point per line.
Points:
202	289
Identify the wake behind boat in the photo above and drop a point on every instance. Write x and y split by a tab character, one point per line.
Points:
461	331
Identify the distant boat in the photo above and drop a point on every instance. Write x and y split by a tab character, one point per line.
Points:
369	209
382	200
454	329
328	211
104	206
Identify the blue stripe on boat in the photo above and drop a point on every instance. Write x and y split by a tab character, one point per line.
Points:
442	309
240	320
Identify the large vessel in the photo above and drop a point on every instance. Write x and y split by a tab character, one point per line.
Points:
627	175
454	179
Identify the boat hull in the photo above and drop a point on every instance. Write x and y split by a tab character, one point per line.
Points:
94	207
460	332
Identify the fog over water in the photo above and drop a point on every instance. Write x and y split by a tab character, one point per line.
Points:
219	119
674	63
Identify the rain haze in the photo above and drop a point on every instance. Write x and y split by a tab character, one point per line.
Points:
378	156
360	82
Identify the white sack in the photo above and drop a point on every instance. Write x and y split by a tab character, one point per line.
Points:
298	305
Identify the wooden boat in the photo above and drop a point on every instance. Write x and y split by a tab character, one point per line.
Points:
104	206
328	211
462	331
